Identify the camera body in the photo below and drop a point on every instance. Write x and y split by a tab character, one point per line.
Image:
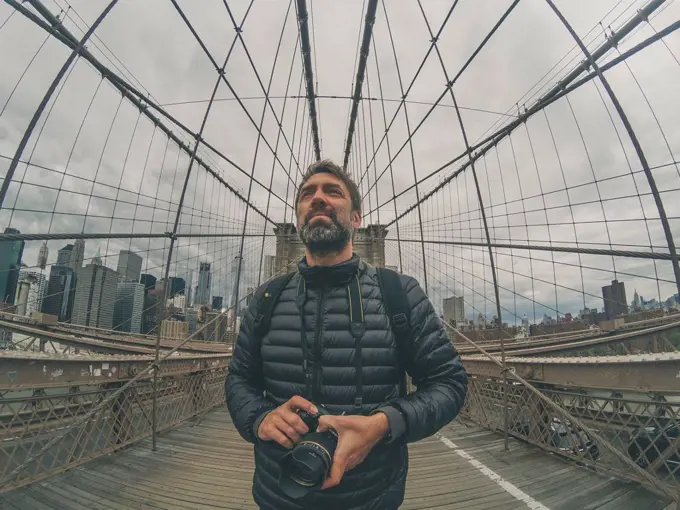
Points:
308	464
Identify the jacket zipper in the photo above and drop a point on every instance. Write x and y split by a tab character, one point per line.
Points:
317	348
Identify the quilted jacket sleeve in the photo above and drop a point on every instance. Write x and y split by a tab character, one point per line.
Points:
244	385
436	370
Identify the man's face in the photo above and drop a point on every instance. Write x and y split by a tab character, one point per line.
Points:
325	218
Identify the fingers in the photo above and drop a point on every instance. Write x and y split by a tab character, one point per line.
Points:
297	402
281	438
293	421
327	422
337	471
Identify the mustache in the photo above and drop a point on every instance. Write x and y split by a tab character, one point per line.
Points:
327	212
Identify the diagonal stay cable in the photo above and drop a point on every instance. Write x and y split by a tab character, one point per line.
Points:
408	141
220	73
257	144
665	489
494	272
79	44
141	101
562	89
408	89
226	82
267	98
389	151
451	83
361	71
632	135
305	53
152	368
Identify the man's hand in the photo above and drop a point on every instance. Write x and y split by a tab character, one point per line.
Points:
357	435
283	425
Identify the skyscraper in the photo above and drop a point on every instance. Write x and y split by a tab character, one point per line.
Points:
36	290
127	311
77	255
614	297
21	298
203	287
129	266
234	293
10	263
177	286
454	309
96	290
148	280
64	256
43	255
60	295
189	287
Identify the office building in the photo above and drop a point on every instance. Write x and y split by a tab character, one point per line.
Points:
127	310
78	255
191	318
43	255
174	330
64	256
614	297
204	283
10	264
454	309
177	286
96	290
149	281
60	295
37	286
129	266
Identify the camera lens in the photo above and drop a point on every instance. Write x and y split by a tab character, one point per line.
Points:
307	466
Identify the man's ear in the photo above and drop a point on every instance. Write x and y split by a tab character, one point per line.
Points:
356	219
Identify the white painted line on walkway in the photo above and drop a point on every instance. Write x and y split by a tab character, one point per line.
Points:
510	488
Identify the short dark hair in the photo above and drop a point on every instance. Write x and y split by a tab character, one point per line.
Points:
327	166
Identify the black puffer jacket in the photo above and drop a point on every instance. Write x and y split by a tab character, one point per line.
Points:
263	377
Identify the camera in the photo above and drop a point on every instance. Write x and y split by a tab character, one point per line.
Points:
308	464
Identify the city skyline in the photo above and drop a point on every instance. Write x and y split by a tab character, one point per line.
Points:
489	313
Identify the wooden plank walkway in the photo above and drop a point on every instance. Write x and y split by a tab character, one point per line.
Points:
208	465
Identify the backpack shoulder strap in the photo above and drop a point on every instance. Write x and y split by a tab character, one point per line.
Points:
398	311
270	296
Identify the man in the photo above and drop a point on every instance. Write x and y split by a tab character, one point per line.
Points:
312	355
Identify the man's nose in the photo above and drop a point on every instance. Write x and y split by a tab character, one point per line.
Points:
318	200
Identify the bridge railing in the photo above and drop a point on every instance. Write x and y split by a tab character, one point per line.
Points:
628	434
46	428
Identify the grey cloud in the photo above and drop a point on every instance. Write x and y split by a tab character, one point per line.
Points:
156	47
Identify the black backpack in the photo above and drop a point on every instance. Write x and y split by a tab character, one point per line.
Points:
396	303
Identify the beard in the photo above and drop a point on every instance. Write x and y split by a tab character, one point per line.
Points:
323	238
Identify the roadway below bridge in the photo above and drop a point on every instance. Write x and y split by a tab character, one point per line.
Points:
655	330
100	342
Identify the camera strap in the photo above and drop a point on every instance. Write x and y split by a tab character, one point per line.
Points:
358	326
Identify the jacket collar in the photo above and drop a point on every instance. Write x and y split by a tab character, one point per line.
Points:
329	276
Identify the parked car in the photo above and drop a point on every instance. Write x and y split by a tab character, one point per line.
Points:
565	437
573	440
647	443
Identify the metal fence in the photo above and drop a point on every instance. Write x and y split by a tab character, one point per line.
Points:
45	431
632	436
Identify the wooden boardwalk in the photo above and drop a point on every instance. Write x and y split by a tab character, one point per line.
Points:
208	465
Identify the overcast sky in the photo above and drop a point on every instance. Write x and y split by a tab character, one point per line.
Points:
569	176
